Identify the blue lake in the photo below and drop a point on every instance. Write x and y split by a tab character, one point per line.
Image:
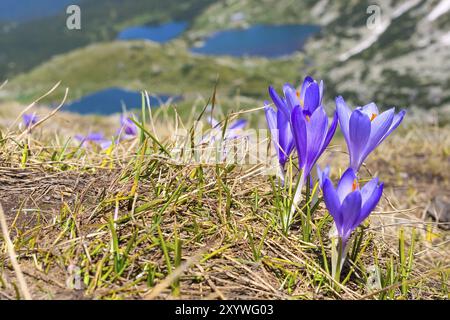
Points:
161	33
271	41
112	100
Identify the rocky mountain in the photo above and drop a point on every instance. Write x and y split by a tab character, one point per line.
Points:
397	52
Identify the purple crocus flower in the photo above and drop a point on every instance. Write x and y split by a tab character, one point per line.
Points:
310	95
311	132
280	130
365	128
232	132
233	128
29	119
279	121
348	204
96	138
128	129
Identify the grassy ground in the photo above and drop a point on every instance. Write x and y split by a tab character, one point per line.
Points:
132	223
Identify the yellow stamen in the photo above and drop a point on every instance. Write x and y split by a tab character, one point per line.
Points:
298	93
374	115
355	185
308	118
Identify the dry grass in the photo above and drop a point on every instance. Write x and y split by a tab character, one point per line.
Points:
133	224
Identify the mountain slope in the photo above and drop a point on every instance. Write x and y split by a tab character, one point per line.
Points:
403	61
25	45
157	68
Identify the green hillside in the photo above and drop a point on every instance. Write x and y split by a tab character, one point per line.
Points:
157	68
28	44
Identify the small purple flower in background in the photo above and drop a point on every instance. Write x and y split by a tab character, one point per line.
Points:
128	129
234	128
365	128
348	204
95	138
233	131
29	119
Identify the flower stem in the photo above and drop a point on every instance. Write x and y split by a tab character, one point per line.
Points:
281	174
306	221
338	262
297	197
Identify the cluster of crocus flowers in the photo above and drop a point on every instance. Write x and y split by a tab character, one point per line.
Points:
288	124
300	121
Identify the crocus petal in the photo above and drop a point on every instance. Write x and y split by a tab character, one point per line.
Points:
312	97
238	124
351	209
290	95
129	128
359	133
379	126
95	136
287	86
306	82
344	114
370	110
330	132
332	202
298	126
285	138
368	188
271	117
346	184
279	103
291	98
29	119
281	133
316	129
398	118
369	205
